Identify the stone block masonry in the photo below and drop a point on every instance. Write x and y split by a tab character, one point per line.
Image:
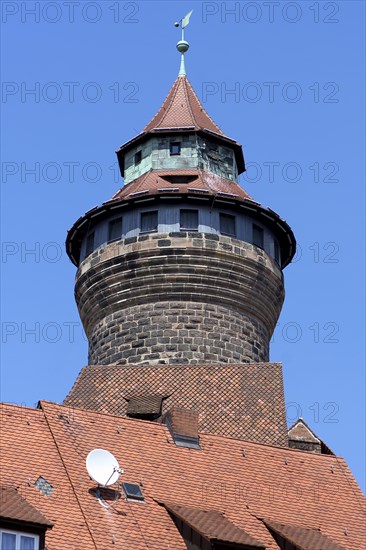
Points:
177	332
176	298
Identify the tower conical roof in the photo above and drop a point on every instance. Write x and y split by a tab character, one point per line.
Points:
182	109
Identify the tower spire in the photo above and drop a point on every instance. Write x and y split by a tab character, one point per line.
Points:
182	45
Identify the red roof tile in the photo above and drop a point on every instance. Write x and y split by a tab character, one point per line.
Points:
182	108
28	450
153	183
243	481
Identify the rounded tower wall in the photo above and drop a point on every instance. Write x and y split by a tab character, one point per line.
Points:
179	297
171	218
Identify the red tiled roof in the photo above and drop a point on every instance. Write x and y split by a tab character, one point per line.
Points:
212	525
14	507
241	400
28	450
153	182
242	480
182	108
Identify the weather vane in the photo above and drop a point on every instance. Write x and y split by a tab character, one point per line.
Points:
182	45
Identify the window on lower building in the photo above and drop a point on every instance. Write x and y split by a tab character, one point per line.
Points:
149	221
115	229
189	219
138	156
89	244
227	225
258	236
174	148
13	540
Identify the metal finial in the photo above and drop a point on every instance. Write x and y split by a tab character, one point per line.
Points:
182	45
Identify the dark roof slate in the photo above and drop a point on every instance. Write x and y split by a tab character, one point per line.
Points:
212	525
241	400
303	538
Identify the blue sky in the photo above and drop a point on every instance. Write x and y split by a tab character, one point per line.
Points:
283	78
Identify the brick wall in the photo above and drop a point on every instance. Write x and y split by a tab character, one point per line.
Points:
179	298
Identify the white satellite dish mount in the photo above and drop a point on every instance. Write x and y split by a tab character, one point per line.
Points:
103	467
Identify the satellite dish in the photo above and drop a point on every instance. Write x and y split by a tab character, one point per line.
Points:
103	467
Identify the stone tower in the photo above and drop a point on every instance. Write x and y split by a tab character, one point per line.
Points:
181	267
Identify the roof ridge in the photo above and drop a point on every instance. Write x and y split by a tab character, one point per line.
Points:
186	83
177	81
17	406
183	108
203	109
162	109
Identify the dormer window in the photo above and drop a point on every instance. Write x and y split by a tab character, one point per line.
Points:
22	527
174	148
138	156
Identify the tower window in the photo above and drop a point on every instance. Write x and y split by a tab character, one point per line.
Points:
138	157
258	236
189	219
276	251
115	229
227	225
149	221
174	148
89	244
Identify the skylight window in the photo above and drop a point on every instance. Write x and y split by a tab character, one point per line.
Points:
133	491
43	485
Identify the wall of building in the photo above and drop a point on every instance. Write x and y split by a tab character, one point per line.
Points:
169	221
179	298
196	152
